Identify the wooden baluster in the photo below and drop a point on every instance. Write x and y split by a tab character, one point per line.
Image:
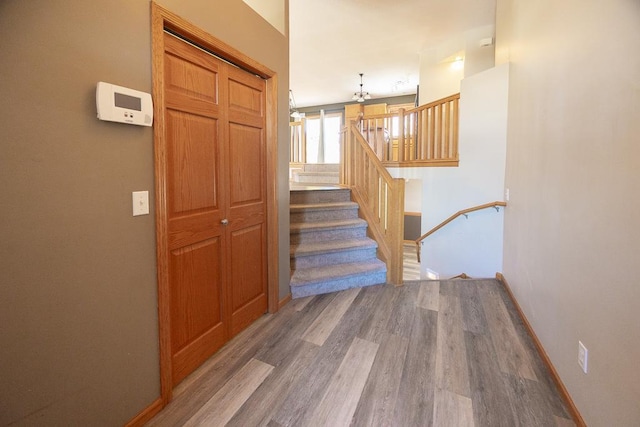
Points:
446	129
421	124
343	156
401	134
372	185
413	118
379	205
438	132
303	138
455	127
292	155
379	133
404	126
392	131
432	133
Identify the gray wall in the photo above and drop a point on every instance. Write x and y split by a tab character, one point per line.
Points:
572	228
78	303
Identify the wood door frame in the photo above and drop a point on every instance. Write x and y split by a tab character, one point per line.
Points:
162	19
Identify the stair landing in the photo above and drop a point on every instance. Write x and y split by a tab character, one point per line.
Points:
316	173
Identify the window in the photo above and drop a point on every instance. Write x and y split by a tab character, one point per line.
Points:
329	150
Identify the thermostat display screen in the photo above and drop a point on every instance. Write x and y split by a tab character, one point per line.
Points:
128	102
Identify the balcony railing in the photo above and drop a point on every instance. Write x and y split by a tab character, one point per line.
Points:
422	136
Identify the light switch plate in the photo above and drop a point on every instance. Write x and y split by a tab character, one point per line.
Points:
140	202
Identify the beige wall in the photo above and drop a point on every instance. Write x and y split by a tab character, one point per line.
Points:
78	304
572	228
439	78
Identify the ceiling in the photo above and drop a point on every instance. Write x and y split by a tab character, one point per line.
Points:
332	41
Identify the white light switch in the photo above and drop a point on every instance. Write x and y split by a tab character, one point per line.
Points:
140	203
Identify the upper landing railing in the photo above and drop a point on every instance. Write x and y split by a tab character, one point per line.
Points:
423	136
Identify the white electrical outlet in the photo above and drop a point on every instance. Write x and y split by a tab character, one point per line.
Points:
506	195
583	356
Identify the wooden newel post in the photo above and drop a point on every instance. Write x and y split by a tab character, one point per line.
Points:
396	230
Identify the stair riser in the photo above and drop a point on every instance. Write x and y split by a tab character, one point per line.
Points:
330	234
316	178
319	196
322	167
323	215
373	278
318	260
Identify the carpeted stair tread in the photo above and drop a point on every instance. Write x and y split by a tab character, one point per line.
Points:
308	276
331	246
322	206
323	225
320	196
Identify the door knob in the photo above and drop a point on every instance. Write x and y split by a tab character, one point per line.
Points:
224	221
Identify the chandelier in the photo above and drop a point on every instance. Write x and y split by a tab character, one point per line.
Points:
361	95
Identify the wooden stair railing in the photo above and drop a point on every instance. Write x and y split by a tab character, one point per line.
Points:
423	136
464	212
297	143
381	198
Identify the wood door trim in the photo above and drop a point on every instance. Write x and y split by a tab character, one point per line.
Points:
162	18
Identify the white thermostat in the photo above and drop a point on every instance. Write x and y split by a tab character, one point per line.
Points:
124	105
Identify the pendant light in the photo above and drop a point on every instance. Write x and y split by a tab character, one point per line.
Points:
361	95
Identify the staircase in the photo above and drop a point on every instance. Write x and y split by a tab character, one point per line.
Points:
330	250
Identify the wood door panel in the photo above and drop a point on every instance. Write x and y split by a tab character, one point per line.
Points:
246	104
200	108
246	266
247	275
193	163
189	72
188	52
247	314
246	93
194	354
244	98
246	163
196	305
194	228
184	79
246	215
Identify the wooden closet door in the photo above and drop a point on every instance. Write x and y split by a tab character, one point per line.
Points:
247	205
216	208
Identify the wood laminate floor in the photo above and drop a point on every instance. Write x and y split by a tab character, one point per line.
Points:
432	353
